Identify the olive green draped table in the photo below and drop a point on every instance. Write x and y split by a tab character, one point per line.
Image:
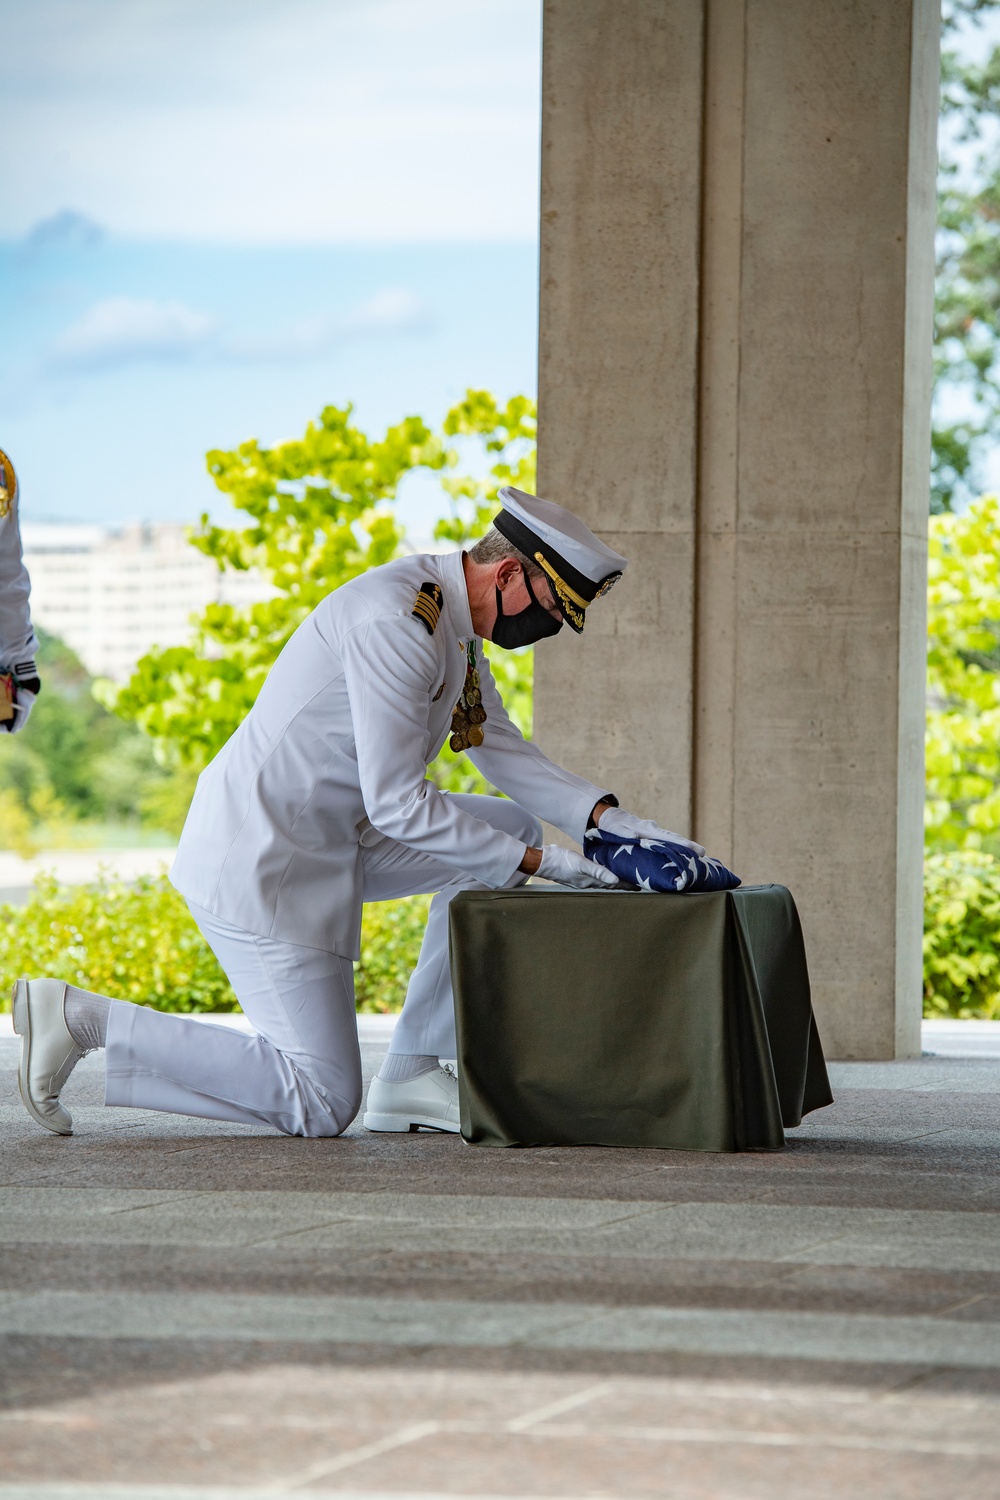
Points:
622	1018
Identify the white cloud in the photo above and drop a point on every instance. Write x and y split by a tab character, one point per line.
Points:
393	311
281	121
124	330
121	330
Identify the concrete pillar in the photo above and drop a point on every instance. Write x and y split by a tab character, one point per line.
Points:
734	390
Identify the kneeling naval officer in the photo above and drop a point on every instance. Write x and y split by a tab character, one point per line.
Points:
319	802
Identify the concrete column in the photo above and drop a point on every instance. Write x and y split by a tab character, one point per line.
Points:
734	389
618	374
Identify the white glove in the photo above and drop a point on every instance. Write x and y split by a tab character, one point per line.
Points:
627	826
22	708
566	867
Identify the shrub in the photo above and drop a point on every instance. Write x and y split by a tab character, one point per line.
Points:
133	942
962	936
138	942
391	934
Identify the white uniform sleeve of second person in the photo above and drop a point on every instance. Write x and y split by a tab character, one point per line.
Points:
390	665
17	639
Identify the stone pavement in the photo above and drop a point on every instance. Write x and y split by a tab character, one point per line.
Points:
191	1310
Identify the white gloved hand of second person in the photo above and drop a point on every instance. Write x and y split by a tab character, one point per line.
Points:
626	825
22	708
566	867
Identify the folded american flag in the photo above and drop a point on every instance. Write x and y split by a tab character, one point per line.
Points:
656	864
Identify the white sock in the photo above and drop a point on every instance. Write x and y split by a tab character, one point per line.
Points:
87	1017
399	1067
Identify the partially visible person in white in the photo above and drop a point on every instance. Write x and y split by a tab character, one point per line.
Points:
319	802
18	642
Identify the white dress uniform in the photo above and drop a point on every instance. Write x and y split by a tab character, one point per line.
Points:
319	802
18	642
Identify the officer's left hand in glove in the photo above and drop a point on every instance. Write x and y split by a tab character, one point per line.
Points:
627	826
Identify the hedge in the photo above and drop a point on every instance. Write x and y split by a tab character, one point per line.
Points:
138	942
962	936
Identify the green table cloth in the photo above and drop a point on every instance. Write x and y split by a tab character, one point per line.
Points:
621	1018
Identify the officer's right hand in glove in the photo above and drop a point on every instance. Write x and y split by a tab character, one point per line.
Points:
22	708
627	826
566	867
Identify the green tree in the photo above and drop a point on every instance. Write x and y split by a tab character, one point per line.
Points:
316	513
963	678
74	762
962	935
508	436
966	340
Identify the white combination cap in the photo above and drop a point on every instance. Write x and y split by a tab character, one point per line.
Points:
579	566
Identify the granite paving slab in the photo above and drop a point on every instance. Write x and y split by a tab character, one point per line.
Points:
388	1322
411	1223
194	1311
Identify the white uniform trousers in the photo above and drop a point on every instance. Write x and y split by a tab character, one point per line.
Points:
301	1072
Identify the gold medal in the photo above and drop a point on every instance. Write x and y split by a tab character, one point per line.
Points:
469	713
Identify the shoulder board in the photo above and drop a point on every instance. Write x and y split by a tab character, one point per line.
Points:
427	606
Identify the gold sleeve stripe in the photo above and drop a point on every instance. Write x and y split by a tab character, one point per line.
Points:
427	606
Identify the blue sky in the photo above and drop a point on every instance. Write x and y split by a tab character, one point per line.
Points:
223	215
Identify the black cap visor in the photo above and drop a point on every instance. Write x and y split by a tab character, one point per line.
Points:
571	590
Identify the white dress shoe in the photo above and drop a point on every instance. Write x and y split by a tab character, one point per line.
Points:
48	1052
430	1100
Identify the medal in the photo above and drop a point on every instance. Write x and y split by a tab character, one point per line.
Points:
469	713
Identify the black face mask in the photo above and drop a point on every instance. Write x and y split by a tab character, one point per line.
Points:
526	627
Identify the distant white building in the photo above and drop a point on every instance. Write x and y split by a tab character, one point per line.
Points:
112	594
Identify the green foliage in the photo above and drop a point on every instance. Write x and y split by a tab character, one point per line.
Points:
962	810
391	934
132	942
962	936
963	685
74	761
139	942
508	436
966	338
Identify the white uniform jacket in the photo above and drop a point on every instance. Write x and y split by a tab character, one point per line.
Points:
335	752
17	639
